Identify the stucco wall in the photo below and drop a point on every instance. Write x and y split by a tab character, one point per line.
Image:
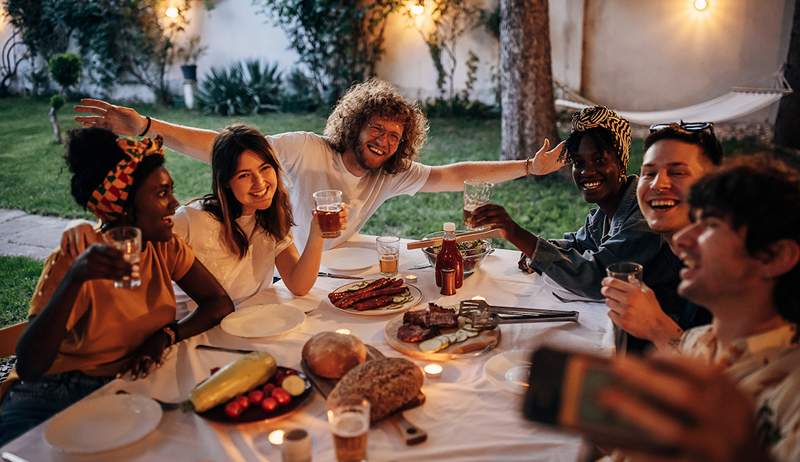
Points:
652	55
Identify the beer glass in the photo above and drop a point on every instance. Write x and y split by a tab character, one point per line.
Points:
476	194
631	272
349	424
128	240
389	254
328	204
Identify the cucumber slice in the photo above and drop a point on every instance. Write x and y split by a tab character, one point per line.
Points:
461	336
435	344
471	333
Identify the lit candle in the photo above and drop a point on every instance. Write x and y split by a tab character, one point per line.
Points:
411	278
478	297
433	371
343	331
276	437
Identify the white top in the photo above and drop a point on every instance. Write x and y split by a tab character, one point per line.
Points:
310	165
241	278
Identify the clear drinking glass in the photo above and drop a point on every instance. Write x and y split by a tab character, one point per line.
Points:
389	254
128	240
476	194
631	272
349	424
328	204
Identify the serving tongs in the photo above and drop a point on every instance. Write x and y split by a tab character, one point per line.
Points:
481	315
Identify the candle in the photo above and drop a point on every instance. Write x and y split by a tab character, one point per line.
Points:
411	278
478	297
433	371
343	331
276	437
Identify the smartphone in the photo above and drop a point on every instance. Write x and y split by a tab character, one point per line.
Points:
562	392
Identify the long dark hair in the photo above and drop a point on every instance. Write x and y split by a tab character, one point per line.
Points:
229	145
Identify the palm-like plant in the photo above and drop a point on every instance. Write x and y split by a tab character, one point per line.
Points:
225	92
265	84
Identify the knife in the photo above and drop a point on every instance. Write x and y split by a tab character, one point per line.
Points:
225	349
337	276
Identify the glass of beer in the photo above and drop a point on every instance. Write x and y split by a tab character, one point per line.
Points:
476	194
128	240
349	424
389	254
328	204
631	272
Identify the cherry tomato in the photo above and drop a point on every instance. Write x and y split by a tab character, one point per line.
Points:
233	409
269	404
255	397
243	401
267	389
281	396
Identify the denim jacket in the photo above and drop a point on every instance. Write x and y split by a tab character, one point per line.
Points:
578	262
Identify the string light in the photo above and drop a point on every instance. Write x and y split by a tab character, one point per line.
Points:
171	12
700	5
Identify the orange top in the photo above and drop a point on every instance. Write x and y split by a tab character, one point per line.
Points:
107	324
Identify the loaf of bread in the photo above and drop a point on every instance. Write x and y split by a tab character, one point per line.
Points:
387	384
331	355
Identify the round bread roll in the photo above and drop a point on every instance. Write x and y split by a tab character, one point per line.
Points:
331	355
388	384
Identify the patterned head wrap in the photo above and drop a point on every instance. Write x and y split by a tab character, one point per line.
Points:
603	117
108	200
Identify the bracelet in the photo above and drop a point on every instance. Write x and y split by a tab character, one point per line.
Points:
528	166
171	331
147	127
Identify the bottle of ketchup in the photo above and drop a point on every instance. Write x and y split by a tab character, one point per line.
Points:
449	257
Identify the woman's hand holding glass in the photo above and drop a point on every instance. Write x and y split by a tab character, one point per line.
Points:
100	261
635	309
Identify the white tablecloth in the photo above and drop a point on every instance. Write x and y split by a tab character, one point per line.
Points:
467	416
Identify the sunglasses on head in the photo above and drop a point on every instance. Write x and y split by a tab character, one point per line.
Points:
685	127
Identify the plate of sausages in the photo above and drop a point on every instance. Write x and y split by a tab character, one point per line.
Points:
375	297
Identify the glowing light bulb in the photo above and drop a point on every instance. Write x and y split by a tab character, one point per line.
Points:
417	9
700	5
171	12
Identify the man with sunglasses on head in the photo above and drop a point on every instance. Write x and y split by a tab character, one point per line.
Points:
368	151
676	156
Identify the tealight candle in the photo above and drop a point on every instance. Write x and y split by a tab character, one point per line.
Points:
276	437
433	371
478	297
411	278
343	331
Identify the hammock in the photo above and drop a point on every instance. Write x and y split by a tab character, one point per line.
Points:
738	102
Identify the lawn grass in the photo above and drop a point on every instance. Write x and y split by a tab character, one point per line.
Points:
18	276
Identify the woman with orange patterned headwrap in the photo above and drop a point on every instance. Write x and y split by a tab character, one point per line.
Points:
82	330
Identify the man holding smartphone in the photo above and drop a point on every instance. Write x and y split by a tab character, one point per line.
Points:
734	395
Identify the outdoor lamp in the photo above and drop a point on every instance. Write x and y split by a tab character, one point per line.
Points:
416	8
700	5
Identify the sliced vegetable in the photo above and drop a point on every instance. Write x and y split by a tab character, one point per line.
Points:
435	344
294	385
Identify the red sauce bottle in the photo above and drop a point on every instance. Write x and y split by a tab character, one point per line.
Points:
449	256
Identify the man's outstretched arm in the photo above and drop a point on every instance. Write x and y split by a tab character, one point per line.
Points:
451	177
194	142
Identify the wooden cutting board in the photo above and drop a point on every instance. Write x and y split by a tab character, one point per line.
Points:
411	433
484	341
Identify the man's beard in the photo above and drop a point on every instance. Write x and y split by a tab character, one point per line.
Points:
359	152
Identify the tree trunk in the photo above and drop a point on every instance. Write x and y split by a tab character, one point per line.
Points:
54	124
526	75
786	132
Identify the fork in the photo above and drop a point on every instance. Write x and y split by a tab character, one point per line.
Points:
165	406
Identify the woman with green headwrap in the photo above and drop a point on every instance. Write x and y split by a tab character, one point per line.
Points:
597	150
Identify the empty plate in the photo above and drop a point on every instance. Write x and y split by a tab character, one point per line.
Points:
510	370
103	423
349	258
262	320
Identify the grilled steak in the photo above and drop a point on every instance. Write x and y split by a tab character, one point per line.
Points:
414	334
441	317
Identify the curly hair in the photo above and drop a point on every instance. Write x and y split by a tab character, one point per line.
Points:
376	97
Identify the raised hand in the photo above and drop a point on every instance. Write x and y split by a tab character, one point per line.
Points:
547	161
119	119
101	261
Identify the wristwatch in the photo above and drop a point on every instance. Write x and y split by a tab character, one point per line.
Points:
171	330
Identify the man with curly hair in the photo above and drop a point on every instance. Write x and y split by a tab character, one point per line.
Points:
368	151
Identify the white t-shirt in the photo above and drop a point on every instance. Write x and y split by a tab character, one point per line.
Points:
310	165
241	278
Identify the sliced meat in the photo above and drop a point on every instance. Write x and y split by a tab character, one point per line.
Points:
441	317
419	318
372	303
414	334
364	293
334	296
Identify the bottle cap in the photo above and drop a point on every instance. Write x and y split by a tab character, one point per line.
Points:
448	281
449	226
296	446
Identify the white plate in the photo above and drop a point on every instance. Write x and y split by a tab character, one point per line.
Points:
103	423
349	258
510	370
262	320
416	298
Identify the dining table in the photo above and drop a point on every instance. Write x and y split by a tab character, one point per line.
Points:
468	413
